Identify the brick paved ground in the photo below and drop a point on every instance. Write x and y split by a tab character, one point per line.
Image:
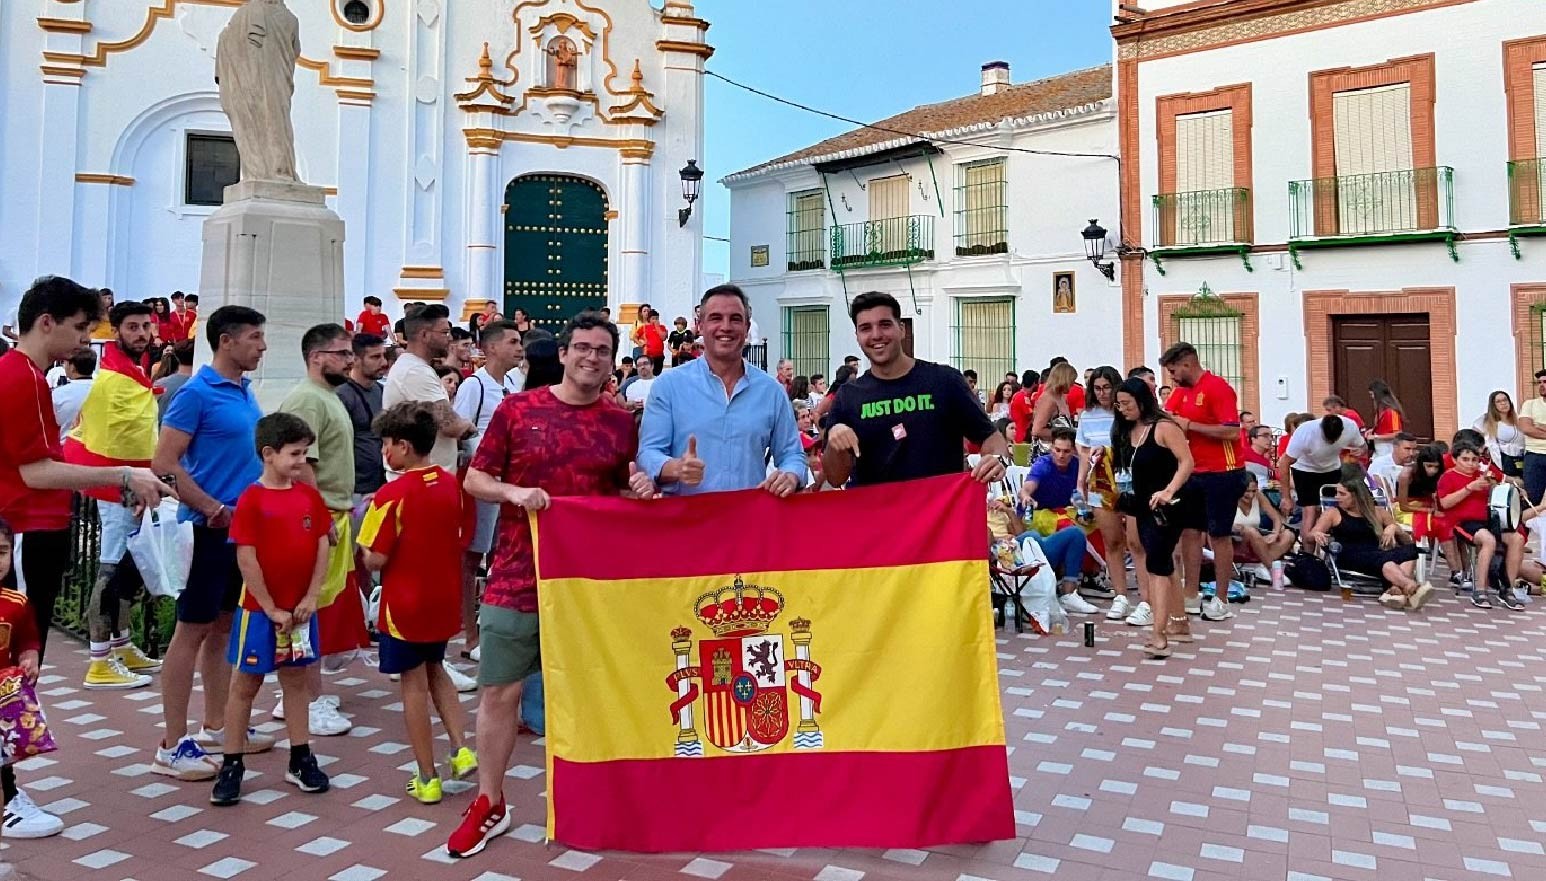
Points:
1306	738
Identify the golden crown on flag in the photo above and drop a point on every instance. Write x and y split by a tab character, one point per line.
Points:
739	609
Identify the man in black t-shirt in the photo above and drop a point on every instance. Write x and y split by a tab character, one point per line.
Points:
904	418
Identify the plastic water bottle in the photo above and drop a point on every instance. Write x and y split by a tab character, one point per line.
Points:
1082	510
1277	574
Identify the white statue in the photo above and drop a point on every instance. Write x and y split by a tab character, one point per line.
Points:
255	69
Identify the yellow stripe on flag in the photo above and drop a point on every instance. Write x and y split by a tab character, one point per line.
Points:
894	676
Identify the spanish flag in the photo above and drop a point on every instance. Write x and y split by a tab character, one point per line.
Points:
117	422
817	671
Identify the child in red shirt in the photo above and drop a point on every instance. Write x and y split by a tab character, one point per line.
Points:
415	531
1463	494
281	529
371	319
19	643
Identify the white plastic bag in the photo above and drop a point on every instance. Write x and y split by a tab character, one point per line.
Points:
1040	597
163	549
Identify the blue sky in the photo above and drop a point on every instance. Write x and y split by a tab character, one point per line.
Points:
865	59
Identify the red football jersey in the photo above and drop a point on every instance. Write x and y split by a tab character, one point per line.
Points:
18	627
283	525
1209	401
423	523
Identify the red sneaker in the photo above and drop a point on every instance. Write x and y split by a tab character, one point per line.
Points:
481	822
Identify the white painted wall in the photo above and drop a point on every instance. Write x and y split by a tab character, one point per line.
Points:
1470	122
1050	200
128	118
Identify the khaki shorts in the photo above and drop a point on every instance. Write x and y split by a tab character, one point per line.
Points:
508	645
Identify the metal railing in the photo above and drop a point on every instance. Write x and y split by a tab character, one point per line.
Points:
982	217
1527	192
806	249
151	620
1378	204
1203	217
984	336
896	241
807	338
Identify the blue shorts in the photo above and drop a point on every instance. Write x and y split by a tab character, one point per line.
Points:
398	656
214	581
253	644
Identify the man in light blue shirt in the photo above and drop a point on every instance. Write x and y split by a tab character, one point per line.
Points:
710	424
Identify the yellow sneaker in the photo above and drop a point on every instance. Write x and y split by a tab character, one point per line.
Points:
135	660
463	762
111	673
426	791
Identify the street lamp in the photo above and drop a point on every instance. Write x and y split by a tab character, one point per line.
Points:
1095	249
692	176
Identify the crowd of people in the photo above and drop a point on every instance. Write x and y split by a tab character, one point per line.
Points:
382	506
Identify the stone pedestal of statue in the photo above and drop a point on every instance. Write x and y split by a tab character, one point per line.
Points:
275	247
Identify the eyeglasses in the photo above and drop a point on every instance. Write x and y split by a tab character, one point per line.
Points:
585	350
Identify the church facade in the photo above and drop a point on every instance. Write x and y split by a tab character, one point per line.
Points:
525	151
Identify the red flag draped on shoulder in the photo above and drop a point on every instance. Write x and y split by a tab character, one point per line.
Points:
738	687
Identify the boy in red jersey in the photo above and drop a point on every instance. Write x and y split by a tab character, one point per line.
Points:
280	529
1463	495
415	531
372	320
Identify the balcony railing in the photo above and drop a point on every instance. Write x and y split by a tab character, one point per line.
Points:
896	241
1387	203
1203	217
806	249
1527	192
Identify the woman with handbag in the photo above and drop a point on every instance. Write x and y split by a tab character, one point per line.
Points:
1153	463
1505	440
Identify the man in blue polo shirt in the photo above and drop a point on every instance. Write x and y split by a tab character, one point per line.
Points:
207	445
711	424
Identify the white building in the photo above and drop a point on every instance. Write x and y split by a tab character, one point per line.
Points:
971	236
1356	178
524	151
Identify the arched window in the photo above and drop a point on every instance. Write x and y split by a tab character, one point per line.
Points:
357	12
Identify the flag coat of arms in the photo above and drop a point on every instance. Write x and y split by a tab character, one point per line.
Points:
727	685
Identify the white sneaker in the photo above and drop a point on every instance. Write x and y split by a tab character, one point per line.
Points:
1193	605
1121	607
1074	604
24	819
279	706
324	720
185	761
464	683
476	654
1214	609
1142	616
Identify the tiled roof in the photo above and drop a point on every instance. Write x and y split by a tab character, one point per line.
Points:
1057	93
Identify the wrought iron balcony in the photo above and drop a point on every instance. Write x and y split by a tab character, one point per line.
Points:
896	241
1527	192
806	249
1203	218
1416	204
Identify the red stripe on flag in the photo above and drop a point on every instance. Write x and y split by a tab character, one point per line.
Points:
814	799
935	520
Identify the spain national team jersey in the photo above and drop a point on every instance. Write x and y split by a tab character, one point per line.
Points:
283	526
421	584
1209	401
18	627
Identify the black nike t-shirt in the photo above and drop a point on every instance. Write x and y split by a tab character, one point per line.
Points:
910	427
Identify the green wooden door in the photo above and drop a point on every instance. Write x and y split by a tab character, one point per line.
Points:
555	248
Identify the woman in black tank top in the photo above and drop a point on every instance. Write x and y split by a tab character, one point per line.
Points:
1153	463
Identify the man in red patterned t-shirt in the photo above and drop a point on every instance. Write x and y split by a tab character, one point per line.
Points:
562	440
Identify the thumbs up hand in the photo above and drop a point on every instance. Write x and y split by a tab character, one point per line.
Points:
640	484
691	467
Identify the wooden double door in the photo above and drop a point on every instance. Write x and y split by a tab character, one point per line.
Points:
1395	348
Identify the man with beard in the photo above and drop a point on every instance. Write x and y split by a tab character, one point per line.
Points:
562	440
330	468
208	447
712	422
428	335
117	426
904	418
